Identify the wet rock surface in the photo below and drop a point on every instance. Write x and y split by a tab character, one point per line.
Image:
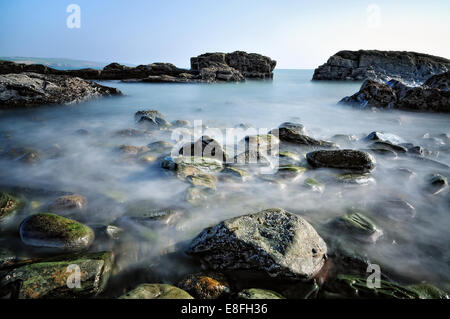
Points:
273	241
157	291
206	285
32	89
381	66
351	160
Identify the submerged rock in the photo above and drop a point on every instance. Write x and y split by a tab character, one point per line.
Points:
251	158
288	158
355	179
427	291
51	278
273	241
351	160
254	293
206	285
236	174
7	258
198	196
156	291
296	127
384	137
204	147
194	163
203	180
314	185
388	146
151	119
32	89
69	203
54	231
352	286
357	225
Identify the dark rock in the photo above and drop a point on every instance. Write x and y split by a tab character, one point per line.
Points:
437	183
297	127
31	89
356	225
291	135
388	146
204	147
272	241
439	81
9	205
382	66
384	137
351	160
372	94
151	119
50	230
69	203
206	285
49	278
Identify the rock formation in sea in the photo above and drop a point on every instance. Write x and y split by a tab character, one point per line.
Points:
409	67
433	95
208	67
30	89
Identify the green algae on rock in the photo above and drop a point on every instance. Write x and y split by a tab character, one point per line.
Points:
236	174
254	293
54	277
54	231
207	181
272	241
9	205
358	225
156	291
314	185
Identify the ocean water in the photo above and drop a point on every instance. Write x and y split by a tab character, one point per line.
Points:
411	248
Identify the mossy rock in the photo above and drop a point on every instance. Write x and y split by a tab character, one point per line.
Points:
207	181
286	158
255	293
314	185
290	171
359	225
236	174
9	205
353	286
54	231
356	179
51	278
427	291
204	164
156	291
206	285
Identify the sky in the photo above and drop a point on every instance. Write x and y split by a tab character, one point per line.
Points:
298	34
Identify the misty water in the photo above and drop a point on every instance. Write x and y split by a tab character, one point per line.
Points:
415	242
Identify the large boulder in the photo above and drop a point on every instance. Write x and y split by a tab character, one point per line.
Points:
351	160
31	89
272	241
372	94
53	277
411	67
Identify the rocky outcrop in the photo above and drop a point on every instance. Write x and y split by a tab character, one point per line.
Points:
433	95
30	89
410	67
272	241
209	67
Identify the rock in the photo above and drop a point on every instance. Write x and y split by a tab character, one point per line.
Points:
291	135
384	137
22	154
288	158
290	171
344	139
439	81
251	158
357	225
236	174
254	293
388	146
144	213
204	147
129	133
51	230
263	142
203	164
296	127
249	65
409	67
7	258
160	147
49	278
355	179
351	160
9	205
151	119
352	286
69	203
156	291
273	241
427	291
181	123
198	196
437	183
207	181
32	89
206	285
372	94
314	185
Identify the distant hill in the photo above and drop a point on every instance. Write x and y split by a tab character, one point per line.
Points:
58	63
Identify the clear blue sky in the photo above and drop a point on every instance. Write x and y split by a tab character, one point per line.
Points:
298	34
